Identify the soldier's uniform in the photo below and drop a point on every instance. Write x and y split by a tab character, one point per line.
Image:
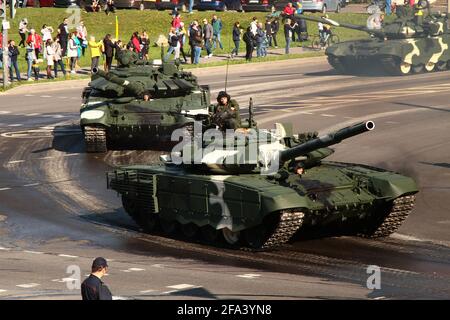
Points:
226	116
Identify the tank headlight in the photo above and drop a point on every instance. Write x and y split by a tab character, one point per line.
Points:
92	114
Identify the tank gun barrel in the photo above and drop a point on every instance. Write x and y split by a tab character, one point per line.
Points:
326	141
132	86
329	21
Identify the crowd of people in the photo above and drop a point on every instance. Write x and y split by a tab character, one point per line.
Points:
59	49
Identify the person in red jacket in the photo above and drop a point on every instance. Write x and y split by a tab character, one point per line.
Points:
135	41
35	41
289	9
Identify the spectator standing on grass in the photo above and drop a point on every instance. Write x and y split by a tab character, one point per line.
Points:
217	29
108	47
288	31
174	45
23	29
78	43
50	57
13	53
36	68
275	27
96	50
176	20
249	40
207	37
268	29
72	52
182	40
195	40
58	57
82	36
289	10
145	42
254	25
36	42
191	6
63	36
259	39
46	33
236	39
136	42
110	7
30	57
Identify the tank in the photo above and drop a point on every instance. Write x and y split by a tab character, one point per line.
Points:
226	196
415	41
139	103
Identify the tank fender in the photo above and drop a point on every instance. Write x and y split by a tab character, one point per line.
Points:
392	185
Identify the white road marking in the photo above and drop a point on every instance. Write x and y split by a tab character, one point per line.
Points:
58	116
125	270
305	112
15	125
33	252
64	280
45	96
4	189
158	265
16	161
71	155
5	112
1	290
31	184
28	285
32	114
29	95
182	286
120	298
136	269
67	256
379	298
45	158
147	291
249	275
5	249
327	115
392	122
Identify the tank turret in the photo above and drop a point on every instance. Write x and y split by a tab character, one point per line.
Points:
135	88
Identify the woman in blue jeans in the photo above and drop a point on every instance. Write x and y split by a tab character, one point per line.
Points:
236	39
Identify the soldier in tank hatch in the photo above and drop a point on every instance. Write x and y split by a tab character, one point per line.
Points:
226	112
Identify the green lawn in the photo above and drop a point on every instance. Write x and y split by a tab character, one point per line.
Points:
156	23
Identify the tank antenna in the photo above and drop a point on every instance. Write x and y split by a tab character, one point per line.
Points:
228	62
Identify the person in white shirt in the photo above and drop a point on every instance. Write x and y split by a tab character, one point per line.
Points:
46	33
50	57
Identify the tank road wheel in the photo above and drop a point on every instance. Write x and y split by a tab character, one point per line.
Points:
418	68
210	234
430	66
404	68
168	226
95	139
385	223
189	229
441	65
230	236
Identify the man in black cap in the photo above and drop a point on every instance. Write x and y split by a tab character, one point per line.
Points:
93	287
226	112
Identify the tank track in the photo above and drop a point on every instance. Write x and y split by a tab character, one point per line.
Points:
95	139
337	64
290	222
399	212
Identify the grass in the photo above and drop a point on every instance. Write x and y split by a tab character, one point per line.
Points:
157	23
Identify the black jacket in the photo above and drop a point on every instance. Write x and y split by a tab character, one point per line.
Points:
94	289
13	53
275	26
249	38
287	28
195	37
109	48
236	34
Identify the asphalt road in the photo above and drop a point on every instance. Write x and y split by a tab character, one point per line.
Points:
55	210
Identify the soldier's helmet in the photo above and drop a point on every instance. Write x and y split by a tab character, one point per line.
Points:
223	94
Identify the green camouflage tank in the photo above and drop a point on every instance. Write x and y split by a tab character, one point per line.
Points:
262	201
138	103
416	41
